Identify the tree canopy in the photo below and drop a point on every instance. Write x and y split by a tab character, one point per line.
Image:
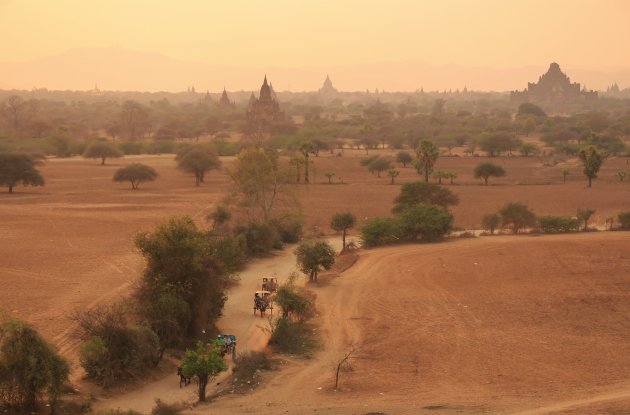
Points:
18	168
426	156
203	363
102	150
312	256
135	173
198	161
412	194
518	216
592	160
341	222
29	367
487	170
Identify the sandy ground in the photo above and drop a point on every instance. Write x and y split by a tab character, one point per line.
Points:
495	325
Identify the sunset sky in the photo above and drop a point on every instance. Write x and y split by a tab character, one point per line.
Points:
322	33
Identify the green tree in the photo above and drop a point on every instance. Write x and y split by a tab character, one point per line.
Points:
491	222
341	222
312	256
379	165
404	158
259	179
181	261
18	168
592	160
417	193
198	161
429	222
392	173
204	364
329	175
487	170
102	150
135	173
528	108
29	367
298	163
439	175
528	148
451	176
584	215
518	216
427	154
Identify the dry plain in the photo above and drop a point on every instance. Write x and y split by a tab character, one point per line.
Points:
536	321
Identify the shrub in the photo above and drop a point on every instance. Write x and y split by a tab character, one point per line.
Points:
289	227
294	305
380	231
29	367
162	408
312	256
424	221
518	216
491	222
114	349
417	193
292	337
247	367
558	224
161	147
131	147
259	238
624	220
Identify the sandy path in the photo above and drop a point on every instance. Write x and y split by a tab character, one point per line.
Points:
237	319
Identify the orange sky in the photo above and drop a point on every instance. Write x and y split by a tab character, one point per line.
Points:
297	33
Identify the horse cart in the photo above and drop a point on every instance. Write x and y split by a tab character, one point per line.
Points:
263	300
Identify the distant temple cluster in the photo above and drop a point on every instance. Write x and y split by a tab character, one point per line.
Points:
265	108
553	86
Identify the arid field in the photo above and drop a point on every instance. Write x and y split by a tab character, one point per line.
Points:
502	324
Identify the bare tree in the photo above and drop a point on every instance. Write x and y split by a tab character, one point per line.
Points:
344	361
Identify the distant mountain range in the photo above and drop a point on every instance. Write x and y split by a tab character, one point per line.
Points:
121	69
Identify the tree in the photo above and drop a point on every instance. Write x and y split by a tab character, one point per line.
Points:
379	165
133	118
439	175
198	161
306	149
329	175
491	222
430	222
204	364
584	215
565	173
622	175
451	176
392	173
298	163
498	142
341	222
592	160
181	261
135	173
404	158
102	150
416	193
426	156
527	108
18	168
314	255
487	170
29	367
528	148
259	179
518	216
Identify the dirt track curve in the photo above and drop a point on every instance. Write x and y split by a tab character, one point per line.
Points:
527	325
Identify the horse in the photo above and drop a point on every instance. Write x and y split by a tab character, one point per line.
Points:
261	305
183	380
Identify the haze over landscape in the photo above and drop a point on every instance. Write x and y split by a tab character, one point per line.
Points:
398	45
365	207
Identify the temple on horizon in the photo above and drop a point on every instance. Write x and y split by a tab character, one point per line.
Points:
264	108
224	101
327	89
553	86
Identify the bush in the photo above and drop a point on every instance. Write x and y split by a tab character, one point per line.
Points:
29	367
247	365
161	147
114	349
288	227
491	222
427	222
412	194
380	231
518	216
132	147
259	238
558	224
162	408
292	337
294	305
624	220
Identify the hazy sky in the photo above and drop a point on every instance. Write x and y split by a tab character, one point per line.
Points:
295	33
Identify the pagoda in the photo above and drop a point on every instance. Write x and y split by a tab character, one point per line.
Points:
224	101
553	86
266	107
328	89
